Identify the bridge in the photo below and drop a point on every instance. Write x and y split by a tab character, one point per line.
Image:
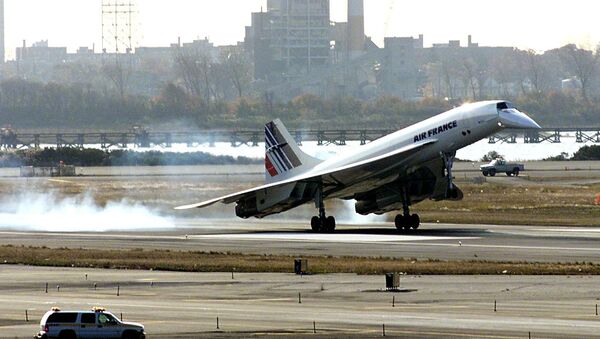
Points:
11	139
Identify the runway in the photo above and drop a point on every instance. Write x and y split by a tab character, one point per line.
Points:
432	241
186	305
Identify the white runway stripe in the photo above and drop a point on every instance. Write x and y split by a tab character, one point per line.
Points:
343	238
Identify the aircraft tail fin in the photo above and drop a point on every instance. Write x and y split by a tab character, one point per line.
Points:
283	157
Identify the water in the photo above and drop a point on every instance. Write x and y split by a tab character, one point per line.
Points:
512	152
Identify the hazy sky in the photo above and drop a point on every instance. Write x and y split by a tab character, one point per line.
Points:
539	25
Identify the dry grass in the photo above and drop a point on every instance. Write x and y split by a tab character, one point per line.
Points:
535	204
228	262
515	205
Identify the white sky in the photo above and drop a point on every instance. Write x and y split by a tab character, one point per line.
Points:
539	25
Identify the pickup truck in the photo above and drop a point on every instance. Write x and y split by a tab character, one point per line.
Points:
499	166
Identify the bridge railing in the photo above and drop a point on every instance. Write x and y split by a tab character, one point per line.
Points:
145	139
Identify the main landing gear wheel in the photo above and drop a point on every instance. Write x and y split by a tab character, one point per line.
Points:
321	223
407	222
326	225
315	224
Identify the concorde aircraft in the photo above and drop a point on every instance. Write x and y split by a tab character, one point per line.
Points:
391	173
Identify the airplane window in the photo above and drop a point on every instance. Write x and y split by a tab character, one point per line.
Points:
502	105
506	107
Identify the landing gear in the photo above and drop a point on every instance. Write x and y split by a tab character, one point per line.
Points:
412	221
322	223
452	192
406	221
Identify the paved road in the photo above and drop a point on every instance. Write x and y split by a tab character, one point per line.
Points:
341	305
437	241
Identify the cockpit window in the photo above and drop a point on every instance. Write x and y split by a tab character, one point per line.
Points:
505	105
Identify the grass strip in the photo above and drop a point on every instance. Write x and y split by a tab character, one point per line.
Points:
193	261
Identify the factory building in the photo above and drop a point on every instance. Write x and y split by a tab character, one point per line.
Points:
400	76
299	33
291	38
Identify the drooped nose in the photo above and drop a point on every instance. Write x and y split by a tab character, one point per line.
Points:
513	118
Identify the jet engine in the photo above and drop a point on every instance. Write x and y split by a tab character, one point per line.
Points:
246	208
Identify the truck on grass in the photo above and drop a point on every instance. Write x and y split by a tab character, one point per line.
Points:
501	166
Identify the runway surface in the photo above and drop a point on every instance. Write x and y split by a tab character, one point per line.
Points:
186	305
434	241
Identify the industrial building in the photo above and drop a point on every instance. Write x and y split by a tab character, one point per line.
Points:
296	37
292	37
293	48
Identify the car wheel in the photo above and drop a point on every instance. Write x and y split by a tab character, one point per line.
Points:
516	172
485	173
492	173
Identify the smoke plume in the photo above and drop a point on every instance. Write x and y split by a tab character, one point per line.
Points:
47	212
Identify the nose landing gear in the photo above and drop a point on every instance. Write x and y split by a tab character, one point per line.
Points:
452	192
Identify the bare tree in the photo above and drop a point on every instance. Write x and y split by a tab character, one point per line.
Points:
117	74
238	70
534	71
581	63
194	68
470	76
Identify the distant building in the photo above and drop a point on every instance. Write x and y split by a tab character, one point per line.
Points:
400	69
291	38
41	53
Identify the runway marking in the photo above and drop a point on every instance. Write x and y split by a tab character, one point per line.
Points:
349	238
569	230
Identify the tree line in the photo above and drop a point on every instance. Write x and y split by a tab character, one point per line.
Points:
199	91
52	157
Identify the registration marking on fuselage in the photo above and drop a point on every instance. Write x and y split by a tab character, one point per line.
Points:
348	238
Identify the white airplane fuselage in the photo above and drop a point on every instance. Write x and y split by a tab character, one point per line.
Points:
453	130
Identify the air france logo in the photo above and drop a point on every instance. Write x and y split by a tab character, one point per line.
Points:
437	130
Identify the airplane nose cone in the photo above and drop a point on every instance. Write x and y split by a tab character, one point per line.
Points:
515	119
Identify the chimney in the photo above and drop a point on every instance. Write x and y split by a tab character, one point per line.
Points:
356	28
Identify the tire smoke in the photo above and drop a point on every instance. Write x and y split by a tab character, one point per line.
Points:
351	217
49	213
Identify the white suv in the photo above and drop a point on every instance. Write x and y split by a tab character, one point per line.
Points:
87	324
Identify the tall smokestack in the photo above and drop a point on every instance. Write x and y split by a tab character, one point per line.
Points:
356	27
2	56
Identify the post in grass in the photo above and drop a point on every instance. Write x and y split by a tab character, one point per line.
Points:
118	290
